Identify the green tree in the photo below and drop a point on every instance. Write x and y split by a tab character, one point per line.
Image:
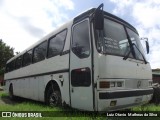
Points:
6	52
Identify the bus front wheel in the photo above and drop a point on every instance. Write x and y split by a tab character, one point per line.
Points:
53	97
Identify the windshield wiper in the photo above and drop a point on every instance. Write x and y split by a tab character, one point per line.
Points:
130	50
125	57
133	44
141	53
131	47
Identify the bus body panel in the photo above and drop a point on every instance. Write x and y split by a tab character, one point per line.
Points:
43	67
116	67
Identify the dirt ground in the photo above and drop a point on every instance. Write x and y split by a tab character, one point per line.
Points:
1	101
5	99
1	89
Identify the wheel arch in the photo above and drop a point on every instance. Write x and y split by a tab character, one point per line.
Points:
55	86
10	85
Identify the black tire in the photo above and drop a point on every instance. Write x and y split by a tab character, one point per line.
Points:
11	94
53	97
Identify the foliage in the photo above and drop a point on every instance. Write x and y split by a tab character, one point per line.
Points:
6	52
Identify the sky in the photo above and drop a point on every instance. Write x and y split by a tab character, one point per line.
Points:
24	22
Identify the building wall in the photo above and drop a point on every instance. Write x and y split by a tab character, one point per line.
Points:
156	78
156	75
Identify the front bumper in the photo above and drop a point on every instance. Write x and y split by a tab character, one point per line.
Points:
123	94
124	99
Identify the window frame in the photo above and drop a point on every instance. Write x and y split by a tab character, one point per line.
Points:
31	58
89	33
136	44
15	66
53	36
33	51
125	26
120	23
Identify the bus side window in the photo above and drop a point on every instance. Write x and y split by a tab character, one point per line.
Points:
11	66
27	58
18	62
56	44
40	52
80	40
7	67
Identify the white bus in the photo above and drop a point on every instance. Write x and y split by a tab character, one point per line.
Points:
95	62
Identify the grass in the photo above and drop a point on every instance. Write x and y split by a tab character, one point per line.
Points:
2	94
61	113
147	107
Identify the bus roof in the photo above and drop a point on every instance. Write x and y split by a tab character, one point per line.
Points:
91	11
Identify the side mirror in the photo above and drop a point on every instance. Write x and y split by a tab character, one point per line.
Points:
99	18
147	44
147	47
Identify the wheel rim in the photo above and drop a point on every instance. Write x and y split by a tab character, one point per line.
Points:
53	100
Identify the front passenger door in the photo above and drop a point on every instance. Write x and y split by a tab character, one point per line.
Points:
80	67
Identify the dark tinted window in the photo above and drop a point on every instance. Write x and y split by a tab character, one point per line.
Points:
27	58
40	52
10	66
81	77
80	42
56	44
18	62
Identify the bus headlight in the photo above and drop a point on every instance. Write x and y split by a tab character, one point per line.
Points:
112	84
119	84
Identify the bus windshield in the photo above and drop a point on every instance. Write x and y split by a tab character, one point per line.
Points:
113	40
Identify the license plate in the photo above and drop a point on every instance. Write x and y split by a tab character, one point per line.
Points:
138	100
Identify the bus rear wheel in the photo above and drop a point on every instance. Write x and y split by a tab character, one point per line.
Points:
11	95
53	97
